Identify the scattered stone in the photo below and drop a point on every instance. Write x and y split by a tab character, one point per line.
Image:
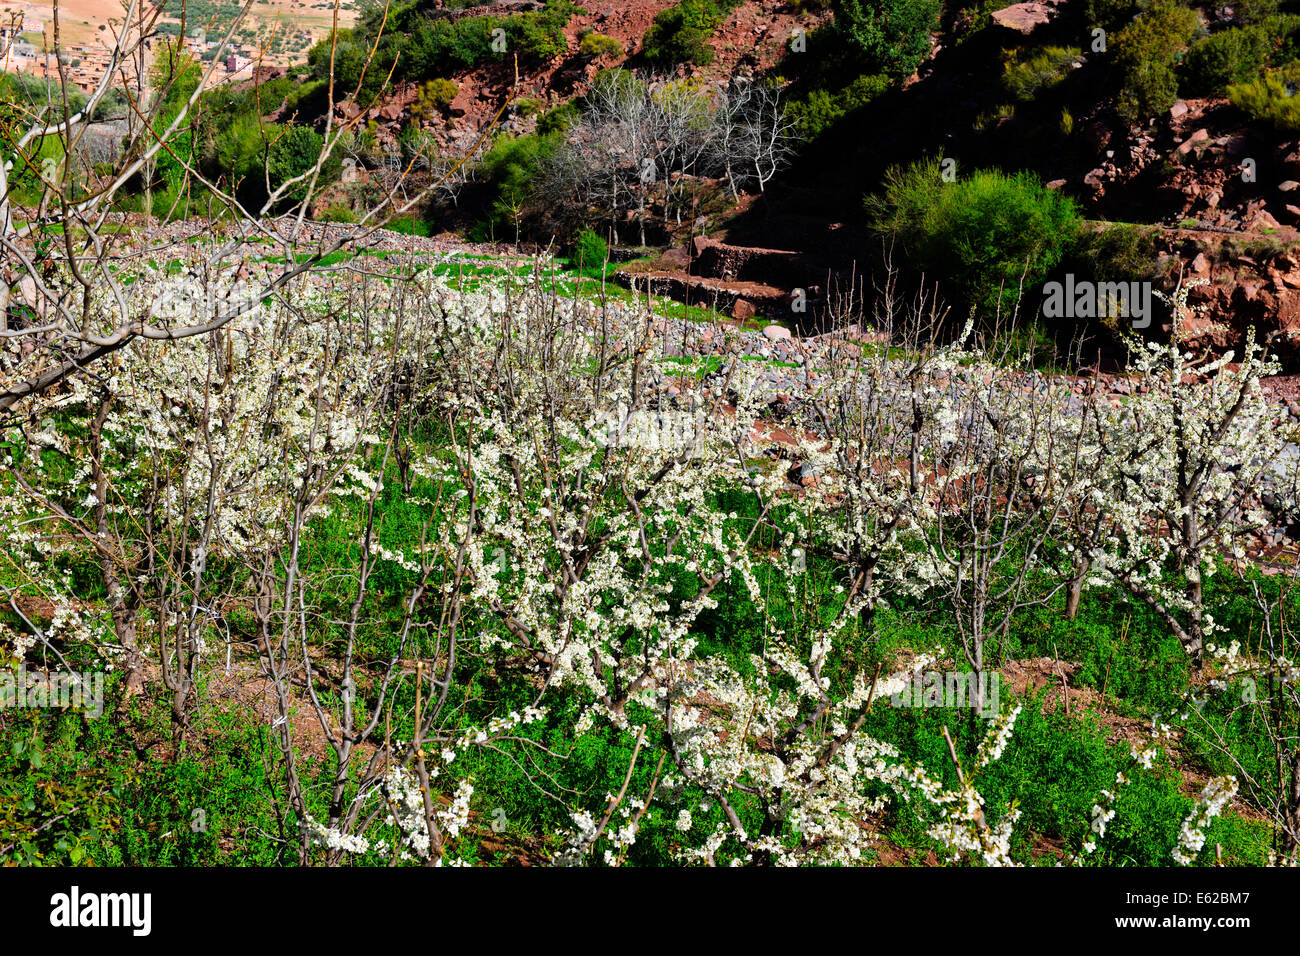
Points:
1200	136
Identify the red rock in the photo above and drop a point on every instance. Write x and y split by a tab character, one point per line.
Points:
1024	18
1260	221
1200	136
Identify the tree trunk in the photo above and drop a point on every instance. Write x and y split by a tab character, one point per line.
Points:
1075	590
122	604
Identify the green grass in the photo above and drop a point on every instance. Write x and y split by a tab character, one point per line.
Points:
123	800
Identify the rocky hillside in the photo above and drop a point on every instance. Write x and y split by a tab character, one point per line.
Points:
1212	188
751	41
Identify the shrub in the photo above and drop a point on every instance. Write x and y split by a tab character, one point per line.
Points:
558	119
590	251
597	45
235	151
1270	99
1146	51
349	60
441	92
302	94
821	109
1254	11
1108	13
617	82
1118	249
528	105
1232	56
1283	32
988	231
294	153
537	37
1026	78
434	99
416	48
971	19
1115	252
510	168
892	36
337	213
680	33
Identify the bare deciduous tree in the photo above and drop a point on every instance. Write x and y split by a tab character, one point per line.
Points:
70	256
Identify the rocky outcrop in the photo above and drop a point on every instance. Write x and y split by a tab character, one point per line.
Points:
1025	18
718	260
1250	284
739	300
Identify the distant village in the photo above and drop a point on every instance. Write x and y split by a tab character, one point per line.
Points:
84	64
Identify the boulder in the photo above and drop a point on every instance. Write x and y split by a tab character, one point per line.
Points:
673	258
1260	222
1024	18
1187	145
462	103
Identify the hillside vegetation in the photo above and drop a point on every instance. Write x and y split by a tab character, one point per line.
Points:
719	433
